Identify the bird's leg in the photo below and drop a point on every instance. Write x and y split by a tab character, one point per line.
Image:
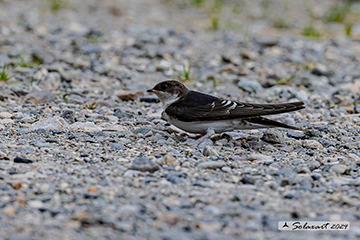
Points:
209	133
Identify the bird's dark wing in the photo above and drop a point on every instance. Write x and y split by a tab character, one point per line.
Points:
264	122
202	107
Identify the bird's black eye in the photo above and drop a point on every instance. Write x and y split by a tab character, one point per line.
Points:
164	85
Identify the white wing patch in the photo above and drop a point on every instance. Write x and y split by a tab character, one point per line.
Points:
226	102
213	105
233	106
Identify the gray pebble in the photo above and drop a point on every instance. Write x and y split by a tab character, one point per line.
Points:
68	115
249	85
338	169
212	164
274	136
144	165
209	151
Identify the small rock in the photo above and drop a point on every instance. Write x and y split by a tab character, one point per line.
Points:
313	144
333	129
205	143
16	185
284	182
150	134
149	179
357	181
91	195
112	127
51	123
171	218
248	179
297	161
325	142
338	169
226	169
4	115
306	182
117	146
92	189
176	177
260	157
68	115
267	41
351	156
249	85
131	95
296	135
274	136
40	143
44	187
22	160
163	65
169	160
320	72
209	151
149	99
35	204
122	114
212	164
313	165
40	97
213	210
3	156
357	109
302	168
84	127
131	173
90	48
9	211
6	121
249	54
84	217
302	95
144	165
41	74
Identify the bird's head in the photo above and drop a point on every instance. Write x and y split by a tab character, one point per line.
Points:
169	91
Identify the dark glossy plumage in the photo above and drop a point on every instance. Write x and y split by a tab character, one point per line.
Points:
197	106
194	111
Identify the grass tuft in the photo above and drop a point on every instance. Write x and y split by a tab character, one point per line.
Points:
197	3
337	13
280	22
311	31
32	63
285	81
348	29
90	105
214	23
185	74
33	80
4	76
56	5
215	15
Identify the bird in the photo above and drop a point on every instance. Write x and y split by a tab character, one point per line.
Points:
196	112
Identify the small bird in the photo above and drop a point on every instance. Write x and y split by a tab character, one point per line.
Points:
196	112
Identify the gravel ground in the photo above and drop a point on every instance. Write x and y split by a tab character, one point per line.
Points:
85	155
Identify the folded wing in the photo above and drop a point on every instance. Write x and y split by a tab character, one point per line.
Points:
199	107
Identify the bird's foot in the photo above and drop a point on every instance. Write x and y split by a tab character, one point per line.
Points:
209	132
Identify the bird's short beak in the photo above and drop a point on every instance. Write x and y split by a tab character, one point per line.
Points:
151	90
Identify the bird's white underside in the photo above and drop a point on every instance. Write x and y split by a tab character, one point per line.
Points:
218	126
